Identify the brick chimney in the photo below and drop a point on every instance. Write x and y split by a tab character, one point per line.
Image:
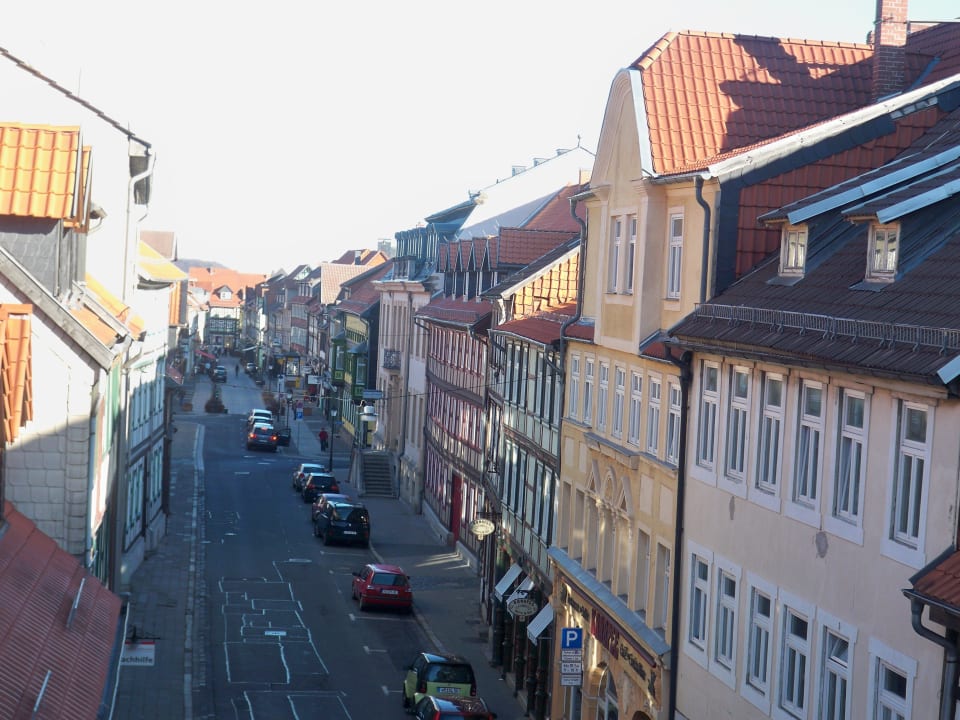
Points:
889	42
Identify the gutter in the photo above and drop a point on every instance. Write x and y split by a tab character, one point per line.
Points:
683	363
705	252
951	662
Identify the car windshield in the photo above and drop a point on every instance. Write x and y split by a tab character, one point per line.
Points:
456	674
358	515
382	578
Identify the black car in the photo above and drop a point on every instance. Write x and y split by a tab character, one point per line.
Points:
450	707
283	436
316	483
345	521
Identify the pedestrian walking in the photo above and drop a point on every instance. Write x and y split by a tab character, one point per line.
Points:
324	438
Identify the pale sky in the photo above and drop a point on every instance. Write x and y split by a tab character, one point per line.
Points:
290	131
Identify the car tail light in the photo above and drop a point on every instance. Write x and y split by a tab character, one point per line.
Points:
422	687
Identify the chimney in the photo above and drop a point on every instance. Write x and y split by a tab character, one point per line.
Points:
889	43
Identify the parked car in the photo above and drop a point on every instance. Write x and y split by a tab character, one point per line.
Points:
438	674
448	707
283	436
258	378
316	483
301	471
321	501
250	368
381	585
346	521
259	415
219	374
262	436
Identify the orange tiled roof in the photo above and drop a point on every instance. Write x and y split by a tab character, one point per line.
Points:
210	278
16	366
710	93
39	582
113	305
362	292
43	172
542	327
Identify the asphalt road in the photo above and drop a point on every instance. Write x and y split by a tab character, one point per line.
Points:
284	638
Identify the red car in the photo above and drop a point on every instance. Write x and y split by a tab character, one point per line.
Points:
380	585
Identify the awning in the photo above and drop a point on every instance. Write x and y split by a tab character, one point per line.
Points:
540	622
204	353
506	581
525	587
174	374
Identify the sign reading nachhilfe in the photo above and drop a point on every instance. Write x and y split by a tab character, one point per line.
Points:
140	653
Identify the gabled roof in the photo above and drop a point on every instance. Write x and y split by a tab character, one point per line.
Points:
705	94
333	276
43	172
513	201
41	634
359	295
208	278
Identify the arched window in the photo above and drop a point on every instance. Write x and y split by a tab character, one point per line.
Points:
607	708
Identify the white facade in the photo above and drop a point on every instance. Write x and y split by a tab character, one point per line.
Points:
811	500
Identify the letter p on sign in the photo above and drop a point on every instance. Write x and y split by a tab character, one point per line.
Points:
571	638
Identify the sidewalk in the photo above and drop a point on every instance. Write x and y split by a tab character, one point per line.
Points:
163	589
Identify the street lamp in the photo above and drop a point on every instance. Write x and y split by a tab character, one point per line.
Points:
333	430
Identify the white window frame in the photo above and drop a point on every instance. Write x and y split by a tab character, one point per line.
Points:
903	546
829	625
754	689
765	489
792	606
673	423
613	254
699	600
619	391
846	516
724	639
736	443
675	254
708	415
654	390
631	253
793	250
603	395
641	566
588	390
573	411
805	496
884	657
883	256
636	407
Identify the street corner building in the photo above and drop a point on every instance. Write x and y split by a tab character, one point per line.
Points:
61	630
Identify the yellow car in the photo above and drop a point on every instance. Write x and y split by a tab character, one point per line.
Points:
438	674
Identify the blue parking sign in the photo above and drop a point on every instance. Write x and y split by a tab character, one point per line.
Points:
571	638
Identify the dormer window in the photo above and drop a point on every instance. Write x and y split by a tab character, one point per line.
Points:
884	252
793	250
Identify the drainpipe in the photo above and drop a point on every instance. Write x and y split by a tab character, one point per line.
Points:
951	662
581	264
686	375
705	253
126	289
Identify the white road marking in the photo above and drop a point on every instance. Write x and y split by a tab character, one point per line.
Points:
370	651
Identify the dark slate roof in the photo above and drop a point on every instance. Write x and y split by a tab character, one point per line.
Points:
831	316
39	583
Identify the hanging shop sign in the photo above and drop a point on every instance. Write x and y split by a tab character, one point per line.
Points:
481	527
522	606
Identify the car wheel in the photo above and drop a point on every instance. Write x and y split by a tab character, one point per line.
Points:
326	541
316	530
363	605
403	696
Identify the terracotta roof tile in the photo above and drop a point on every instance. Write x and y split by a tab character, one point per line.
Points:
543	327
456	311
940	581
41	171
38	584
361	293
